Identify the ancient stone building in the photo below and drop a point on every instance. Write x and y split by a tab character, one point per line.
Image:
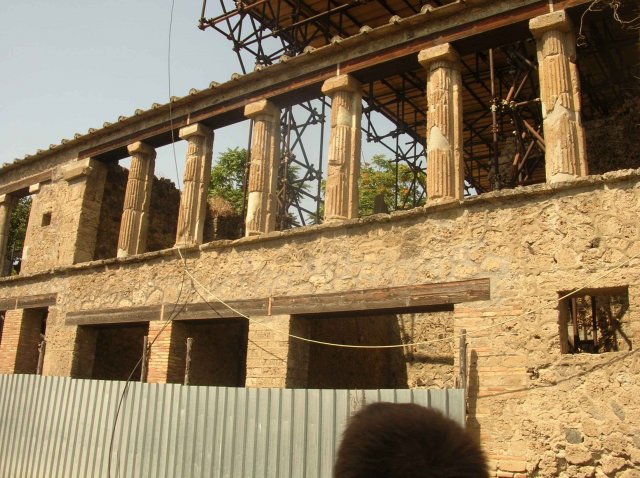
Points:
517	243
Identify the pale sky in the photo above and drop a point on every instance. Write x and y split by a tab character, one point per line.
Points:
70	65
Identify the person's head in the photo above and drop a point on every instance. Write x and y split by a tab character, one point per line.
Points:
406	440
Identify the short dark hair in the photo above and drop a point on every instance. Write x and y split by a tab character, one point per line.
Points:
394	440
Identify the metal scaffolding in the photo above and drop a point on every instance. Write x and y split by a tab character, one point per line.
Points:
503	138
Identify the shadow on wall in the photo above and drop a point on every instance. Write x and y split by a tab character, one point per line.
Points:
163	213
473	388
349	368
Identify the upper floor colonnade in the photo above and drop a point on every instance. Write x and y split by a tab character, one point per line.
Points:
564	143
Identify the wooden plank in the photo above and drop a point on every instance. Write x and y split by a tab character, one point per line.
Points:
403	299
114	316
8	304
33	301
216	310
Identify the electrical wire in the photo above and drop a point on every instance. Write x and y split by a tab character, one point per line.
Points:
173	314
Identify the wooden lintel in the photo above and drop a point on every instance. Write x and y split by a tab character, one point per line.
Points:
216	310
33	301
8	304
114	316
403	299
28	302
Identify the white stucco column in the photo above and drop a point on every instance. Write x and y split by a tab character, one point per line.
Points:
262	204
197	175
445	167
565	155
343	170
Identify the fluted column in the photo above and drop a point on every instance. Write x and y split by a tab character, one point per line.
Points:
565	156
7	204
262	205
197	174
135	216
343	169
445	168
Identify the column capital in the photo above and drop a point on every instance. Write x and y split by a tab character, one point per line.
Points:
141	148
550	21
341	83
197	129
444	52
261	108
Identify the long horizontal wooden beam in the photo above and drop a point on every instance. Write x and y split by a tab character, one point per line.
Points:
28	302
300	78
403	299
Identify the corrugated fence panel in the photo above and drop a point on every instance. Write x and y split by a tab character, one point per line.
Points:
61	427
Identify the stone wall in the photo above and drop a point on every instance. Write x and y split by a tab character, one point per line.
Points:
163	214
537	411
430	364
612	142
111	211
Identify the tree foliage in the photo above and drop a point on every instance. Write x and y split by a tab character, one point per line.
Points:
17	233
378	177
227	175
227	181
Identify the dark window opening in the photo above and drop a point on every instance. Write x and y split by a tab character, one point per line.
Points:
217	355
1	324
46	219
593	321
348	368
117	350
31	342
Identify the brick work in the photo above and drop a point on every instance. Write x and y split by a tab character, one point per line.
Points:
273	359
166	360
495	367
20	340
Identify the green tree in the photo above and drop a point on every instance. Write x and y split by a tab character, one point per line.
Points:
227	181
227	175
17	233
378	178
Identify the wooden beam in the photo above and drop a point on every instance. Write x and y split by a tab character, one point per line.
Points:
33	301
403	299
122	315
28	302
